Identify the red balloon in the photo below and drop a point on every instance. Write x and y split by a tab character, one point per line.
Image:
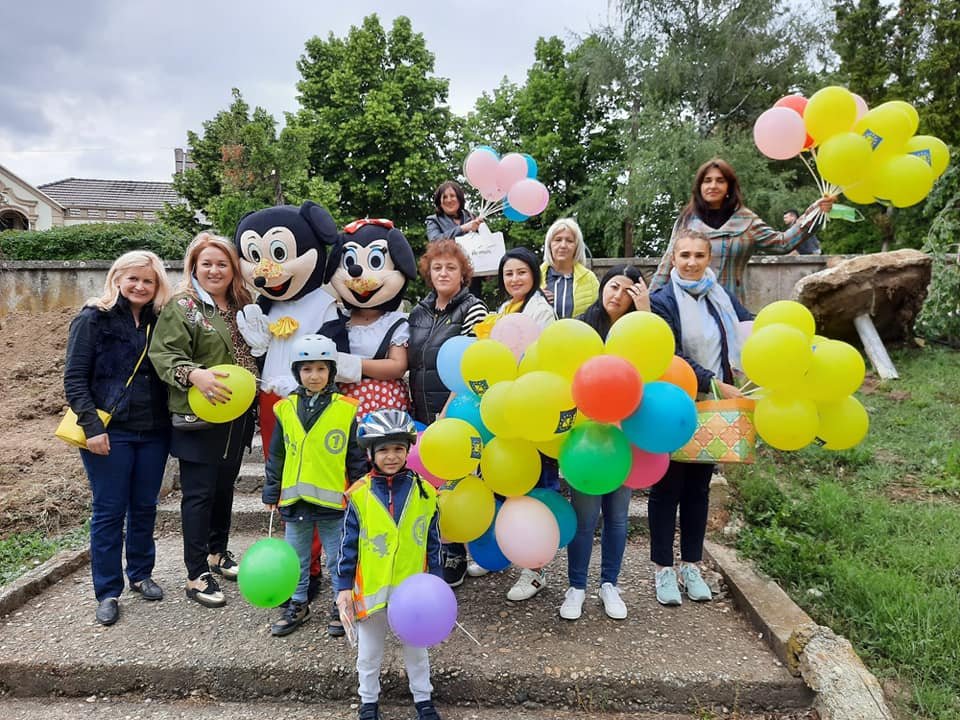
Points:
607	388
797	103
682	375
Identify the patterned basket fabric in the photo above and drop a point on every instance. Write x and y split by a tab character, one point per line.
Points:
725	433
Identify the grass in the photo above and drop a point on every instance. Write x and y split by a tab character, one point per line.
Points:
24	551
867	540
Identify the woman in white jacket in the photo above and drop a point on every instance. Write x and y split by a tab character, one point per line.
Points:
519	279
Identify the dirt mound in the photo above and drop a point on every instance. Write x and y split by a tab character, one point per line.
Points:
42	483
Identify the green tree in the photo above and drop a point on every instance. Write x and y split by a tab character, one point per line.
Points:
376	120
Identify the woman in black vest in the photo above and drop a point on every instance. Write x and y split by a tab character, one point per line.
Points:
448	310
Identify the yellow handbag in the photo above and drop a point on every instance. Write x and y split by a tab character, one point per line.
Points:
70	431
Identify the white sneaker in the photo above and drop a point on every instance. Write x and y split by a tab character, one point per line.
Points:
572	606
612	603
475	570
530	583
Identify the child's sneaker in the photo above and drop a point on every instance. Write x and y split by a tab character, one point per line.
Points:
426	710
612	602
530	583
475	569
572	607
295	615
667	591
693	583
369	711
454	570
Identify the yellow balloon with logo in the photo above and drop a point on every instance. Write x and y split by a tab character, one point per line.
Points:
842	424
494	409
786	422
886	128
510	467
645	340
565	345
830	110
541	406
788	312
450	448
485	363
932	150
243	389
466	510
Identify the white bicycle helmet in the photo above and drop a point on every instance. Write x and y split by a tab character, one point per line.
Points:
313	347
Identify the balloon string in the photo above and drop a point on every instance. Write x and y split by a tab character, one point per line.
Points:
270	530
465	632
816	179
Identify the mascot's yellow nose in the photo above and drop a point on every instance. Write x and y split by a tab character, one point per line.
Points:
268	269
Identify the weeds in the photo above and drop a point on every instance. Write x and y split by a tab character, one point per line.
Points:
23	551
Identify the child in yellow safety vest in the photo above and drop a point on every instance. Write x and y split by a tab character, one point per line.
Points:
313	456
390	532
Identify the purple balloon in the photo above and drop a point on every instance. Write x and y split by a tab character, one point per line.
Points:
422	611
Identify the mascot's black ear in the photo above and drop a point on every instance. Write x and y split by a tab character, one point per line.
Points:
236	237
402	253
333	259
320	221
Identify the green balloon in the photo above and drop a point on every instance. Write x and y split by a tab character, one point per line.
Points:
595	459
269	573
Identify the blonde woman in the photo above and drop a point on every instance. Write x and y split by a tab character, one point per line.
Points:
124	462
568	284
198	330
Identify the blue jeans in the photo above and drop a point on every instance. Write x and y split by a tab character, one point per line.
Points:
125	485
299	533
613	538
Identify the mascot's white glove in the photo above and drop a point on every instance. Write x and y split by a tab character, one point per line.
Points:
349	368
253	325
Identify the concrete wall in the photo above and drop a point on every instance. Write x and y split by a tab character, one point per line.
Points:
35	286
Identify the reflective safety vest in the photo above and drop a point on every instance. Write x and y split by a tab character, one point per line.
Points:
315	464
389	552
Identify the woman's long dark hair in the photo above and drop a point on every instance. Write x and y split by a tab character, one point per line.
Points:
596	315
527	258
698	206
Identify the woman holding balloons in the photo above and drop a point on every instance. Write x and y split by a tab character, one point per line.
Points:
704	318
449	310
196	331
568	283
716	209
452	219
106	368
621	291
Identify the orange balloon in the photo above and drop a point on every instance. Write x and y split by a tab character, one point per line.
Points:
682	375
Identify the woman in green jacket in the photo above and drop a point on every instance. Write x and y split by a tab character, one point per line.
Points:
198	330
569	285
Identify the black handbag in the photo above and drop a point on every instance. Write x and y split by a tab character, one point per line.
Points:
189	423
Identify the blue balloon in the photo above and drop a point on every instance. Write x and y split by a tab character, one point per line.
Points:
448	362
562	510
466	406
665	420
531	166
485	551
510	214
419	426
489	150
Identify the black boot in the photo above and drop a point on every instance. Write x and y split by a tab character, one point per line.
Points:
369	711
426	710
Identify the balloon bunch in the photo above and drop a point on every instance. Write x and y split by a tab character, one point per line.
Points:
508	184
871	155
805	382
563	393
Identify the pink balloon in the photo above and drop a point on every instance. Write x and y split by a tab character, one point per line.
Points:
512	169
528	197
517	332
779	133
416	464
527	532
647	469
862	106
745	329
481	171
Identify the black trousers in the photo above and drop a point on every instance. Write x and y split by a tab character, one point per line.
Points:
685	486
205	511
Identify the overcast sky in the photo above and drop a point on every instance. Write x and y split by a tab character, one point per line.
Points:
107	88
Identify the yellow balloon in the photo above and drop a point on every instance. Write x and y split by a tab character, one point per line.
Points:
494	409
565	345
510	467
243	387
645	340
909	110
903	180
551	448
466	510
530	360
786	422
540	406
450	448
886	127
931	150
836	370
831	110
844	159
776	356
788	312
861	193
843	424
485	363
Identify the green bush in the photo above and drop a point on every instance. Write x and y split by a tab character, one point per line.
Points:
940	318
94	241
